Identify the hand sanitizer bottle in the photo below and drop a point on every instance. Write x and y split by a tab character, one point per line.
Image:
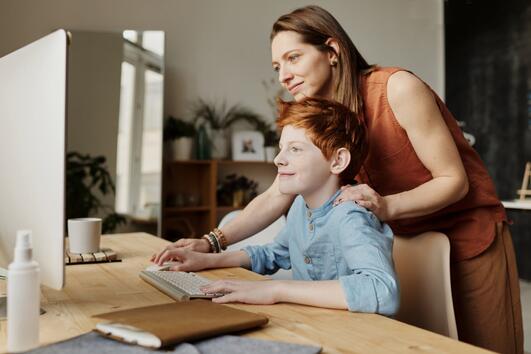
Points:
23	297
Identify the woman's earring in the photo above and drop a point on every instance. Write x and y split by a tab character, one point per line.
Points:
333	63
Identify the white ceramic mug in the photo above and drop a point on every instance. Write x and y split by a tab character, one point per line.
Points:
84	235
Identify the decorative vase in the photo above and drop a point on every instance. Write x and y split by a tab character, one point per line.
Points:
238	198
270	153
182	148
203	144
219	144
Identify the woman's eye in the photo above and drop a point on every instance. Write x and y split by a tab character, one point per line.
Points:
276	68
294	149
292	58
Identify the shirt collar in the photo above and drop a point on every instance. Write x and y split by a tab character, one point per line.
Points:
325	208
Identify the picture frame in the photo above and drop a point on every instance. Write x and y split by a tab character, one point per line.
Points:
247	145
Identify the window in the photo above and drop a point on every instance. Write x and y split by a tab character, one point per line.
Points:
140	125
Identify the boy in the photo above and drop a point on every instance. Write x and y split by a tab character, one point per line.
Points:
341	256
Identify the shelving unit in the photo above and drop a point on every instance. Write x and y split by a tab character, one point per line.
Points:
189	202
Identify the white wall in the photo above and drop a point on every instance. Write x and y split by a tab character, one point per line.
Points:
95	62
94	69
219	49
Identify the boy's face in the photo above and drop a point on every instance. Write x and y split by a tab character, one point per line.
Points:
302	167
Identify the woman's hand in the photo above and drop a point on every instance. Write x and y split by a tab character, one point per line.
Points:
189	261
247	292
193	244
366	197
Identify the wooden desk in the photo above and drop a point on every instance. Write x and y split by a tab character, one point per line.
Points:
97	288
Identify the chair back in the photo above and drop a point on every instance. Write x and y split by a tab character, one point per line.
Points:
422	264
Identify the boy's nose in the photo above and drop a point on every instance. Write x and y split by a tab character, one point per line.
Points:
278	160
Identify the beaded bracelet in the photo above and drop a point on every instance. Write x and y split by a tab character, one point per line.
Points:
215	240
221	238
210	242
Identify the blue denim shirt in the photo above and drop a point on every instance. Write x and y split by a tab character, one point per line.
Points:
345	242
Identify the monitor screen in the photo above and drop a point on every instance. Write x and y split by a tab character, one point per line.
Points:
32	152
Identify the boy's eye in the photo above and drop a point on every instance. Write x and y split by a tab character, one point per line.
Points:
276	68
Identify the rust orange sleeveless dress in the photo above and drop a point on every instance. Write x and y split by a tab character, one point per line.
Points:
392	166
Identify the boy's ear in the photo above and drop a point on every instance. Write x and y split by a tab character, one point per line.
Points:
340	161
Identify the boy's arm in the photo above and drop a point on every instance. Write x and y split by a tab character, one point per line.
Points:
229	259
191	261
326	293
264	259
267	259
367	247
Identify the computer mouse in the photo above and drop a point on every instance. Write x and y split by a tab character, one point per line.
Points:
165	266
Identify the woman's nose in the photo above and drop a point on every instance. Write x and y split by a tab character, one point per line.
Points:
284	75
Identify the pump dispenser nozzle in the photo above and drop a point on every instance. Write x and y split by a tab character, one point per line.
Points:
23	250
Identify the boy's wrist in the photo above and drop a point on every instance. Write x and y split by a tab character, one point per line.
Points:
212	260
279	293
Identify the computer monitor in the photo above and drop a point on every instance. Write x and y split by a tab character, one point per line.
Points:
32	152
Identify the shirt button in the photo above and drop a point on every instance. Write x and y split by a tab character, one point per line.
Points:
310	227
309	213
307	260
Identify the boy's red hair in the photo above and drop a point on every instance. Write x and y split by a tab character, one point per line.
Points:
330	126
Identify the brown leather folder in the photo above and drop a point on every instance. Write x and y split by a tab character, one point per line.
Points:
182	321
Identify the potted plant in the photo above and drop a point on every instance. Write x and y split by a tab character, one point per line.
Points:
219	118
236	190
87	180
179	134
271	138
270	144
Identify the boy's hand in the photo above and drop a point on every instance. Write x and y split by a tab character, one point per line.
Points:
366	197
248	292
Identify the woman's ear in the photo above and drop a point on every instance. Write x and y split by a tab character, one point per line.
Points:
333	55
340	161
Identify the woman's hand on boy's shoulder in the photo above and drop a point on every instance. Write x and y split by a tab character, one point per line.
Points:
365	196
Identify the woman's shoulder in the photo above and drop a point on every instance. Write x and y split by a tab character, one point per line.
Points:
381	74
404	82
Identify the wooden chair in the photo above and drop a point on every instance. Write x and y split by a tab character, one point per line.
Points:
422	264
525	191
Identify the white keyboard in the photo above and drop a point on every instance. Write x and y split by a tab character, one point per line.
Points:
178	285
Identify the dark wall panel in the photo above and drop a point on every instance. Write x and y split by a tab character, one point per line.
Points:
488	67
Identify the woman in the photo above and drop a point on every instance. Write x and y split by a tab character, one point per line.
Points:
420	174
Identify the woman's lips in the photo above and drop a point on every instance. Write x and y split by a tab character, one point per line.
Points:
293	89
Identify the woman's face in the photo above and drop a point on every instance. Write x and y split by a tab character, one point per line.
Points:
302	69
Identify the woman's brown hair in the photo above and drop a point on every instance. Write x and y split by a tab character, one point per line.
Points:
316	26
